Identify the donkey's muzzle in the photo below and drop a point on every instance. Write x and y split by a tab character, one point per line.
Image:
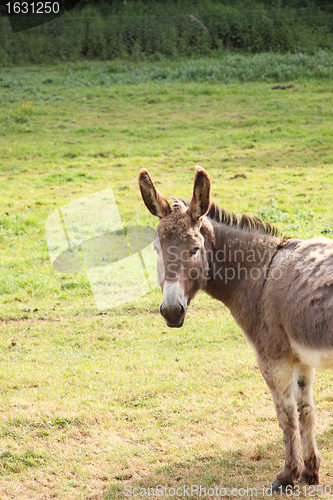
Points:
174	314
174	305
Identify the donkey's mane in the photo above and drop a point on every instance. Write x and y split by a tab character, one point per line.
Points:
245	222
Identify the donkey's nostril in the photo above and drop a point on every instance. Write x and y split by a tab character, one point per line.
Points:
173	310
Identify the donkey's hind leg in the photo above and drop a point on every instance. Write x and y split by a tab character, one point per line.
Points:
303	391
278	374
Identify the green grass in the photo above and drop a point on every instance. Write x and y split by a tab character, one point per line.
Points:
92	402
223	66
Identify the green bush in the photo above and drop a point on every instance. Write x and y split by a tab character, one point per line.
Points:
140	30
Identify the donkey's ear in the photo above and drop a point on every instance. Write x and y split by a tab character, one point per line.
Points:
153	199
200	202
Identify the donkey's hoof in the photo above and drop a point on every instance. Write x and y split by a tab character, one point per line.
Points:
309	478
280	488
277	486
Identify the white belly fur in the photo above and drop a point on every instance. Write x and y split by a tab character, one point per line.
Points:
322	359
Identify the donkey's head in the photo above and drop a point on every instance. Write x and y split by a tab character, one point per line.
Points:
181	256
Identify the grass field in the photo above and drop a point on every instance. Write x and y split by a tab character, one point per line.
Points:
92	402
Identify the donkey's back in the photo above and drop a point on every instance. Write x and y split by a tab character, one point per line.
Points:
298	299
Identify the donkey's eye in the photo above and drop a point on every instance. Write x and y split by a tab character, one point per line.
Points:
194	251
157	251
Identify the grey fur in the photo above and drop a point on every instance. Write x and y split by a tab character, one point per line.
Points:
280	292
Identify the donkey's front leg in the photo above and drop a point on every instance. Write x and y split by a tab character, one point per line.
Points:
303	391
279	377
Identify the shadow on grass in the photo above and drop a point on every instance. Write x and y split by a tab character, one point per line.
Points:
246	473
241	469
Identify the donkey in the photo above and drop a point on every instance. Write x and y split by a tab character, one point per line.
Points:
279	290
